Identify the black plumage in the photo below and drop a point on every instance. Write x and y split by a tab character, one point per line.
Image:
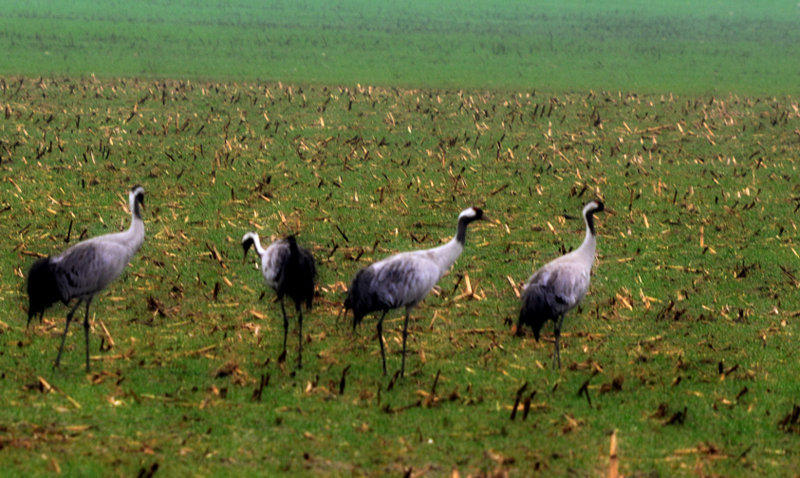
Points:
42	289
289	270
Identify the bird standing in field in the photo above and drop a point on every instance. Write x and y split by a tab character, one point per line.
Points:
560	285
290	270
404	279
84	269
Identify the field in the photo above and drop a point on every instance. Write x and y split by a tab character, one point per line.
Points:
573	45
683	353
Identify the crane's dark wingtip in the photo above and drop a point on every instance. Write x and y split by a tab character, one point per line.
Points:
42	287
360	297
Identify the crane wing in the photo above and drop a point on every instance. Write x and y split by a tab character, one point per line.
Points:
405	281
79	271
272	262
561	286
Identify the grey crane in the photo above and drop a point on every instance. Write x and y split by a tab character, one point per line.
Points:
290	270
84	269
560	285
404	279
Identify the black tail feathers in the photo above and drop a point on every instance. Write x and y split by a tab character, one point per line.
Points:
535	313
360	298
301	274
42	288
535	323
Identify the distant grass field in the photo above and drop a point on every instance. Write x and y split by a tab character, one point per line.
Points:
366	127
685	346
648	47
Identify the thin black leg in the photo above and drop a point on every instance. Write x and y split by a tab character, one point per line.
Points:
405	335
282	356
557	332
380	340
299	336
64	337
86	331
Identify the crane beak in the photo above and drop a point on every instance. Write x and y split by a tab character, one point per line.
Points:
490	220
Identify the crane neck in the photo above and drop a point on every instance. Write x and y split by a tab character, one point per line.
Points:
135	201
589	244
589	219
257	244
135	232
136	211
461	230
446	255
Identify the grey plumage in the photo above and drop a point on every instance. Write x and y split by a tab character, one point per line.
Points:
560	285
84	269
403	280
290	270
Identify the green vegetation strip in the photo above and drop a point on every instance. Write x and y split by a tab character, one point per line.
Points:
685	345
748	47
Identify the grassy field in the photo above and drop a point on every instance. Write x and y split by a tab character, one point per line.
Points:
685	345
686	123
647	47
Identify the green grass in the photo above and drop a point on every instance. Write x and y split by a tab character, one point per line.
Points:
716	47
692	305
392	168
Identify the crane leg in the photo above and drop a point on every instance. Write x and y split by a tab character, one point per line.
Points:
282	356
557	333
299	336
380	340
66	328
86	331
405	335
